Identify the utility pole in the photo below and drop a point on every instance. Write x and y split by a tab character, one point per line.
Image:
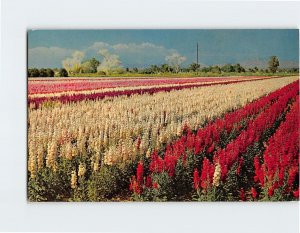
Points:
197	55
197	58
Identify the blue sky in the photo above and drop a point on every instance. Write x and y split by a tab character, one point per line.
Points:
140	48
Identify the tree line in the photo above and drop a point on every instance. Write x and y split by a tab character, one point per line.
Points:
48	72
91	66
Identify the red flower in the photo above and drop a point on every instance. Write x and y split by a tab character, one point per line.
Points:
292	175
296	193
140	173
148	182
134	186
271	191
253	193
138	143
207	173
211	148
155	185
196	179
242	195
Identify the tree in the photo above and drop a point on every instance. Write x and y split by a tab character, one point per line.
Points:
43	72
175	60
165	68
73	64
194	67
227	68
238	68
33	72
215	69
63	72
273	64
154	69
110	64
206	69
49	72
90	65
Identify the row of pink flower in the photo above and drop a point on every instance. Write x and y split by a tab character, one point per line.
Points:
205	140
39	87
280	164
37	101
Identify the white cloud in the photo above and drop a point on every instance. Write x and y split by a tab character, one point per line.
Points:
47	56
130	54
133	54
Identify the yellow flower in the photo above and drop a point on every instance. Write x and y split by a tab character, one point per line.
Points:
81	170
73	180
217	175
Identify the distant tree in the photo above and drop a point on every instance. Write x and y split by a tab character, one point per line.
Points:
135	70
215	69
238	68
175	60
43	72
90	65
34	72
194	67
63	72
50	72
227	68
255	69
73	64
154	69
273	64
165	68
206	69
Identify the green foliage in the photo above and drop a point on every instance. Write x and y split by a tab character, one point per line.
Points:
33	72
50	72
228	68
229	190
103	184
63	72
194	67
273	64
51	185
183	182
90	66
164	191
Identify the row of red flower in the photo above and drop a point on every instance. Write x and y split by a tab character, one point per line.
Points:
234	151
37	101
207	140
280	164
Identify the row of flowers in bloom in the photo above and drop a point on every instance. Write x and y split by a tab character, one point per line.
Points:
46	86
109	131
207	140
35	102
278	170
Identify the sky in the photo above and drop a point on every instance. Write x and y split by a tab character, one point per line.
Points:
141	48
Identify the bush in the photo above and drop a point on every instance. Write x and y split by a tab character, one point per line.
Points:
101	72
62	72
33	72
50	72
103	184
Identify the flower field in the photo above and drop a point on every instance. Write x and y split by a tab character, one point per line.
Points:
163	139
